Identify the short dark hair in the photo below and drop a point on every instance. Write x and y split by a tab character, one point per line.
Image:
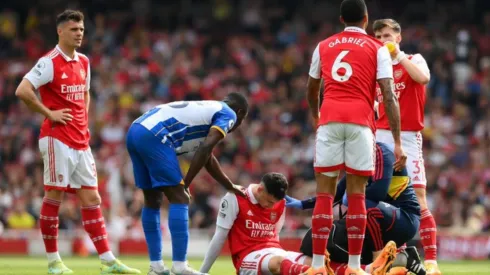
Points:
388	22
275	184
353	11
69	15
236	101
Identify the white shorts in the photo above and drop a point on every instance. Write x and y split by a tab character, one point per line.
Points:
257	262
344	146
412	144
66	168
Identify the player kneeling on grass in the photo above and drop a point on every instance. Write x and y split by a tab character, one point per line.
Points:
252	225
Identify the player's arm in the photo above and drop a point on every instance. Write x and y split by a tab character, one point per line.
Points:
40	74
203	154
87	87
214	169
385	81
313	85
416	67
226	218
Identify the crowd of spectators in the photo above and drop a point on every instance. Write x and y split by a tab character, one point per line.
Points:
143	54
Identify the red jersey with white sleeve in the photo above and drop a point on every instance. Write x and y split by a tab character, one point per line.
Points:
349	63
62	83
411	96
251	226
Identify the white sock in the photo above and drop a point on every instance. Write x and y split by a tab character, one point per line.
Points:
318	260
53	256
107	256
179	266
355	261
158	266
430	262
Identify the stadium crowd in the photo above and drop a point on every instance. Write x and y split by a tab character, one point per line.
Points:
141	57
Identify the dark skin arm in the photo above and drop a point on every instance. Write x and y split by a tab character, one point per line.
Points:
313	97
214	169
202	155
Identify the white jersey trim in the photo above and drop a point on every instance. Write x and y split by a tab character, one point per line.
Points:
43	72
385	65
316	66
228	211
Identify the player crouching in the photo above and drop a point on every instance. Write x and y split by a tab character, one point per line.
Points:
252	225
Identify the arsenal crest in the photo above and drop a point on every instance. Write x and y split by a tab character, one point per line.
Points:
273	216
60	178
398	73
82	74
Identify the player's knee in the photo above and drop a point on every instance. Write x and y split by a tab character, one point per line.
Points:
180	198
421	197
89	197
275	264
153	198
56	195
325	183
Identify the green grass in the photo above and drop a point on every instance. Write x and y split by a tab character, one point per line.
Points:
14	265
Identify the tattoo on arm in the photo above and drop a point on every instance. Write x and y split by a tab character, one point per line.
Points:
392	107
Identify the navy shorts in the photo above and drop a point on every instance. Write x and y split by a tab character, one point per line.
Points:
155	164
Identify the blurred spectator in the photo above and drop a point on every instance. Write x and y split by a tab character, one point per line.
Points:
20	218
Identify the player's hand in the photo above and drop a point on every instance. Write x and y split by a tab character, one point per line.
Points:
60	116
401	158
237	190
293	203
315	122
393	48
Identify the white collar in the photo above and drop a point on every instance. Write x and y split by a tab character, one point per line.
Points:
66	57
354	29
251	194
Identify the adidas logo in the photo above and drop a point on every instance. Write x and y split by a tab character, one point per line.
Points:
250	213
64	76
416	178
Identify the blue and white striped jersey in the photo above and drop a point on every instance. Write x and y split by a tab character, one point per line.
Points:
185	124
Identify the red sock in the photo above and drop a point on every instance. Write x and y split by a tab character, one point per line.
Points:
290	268
93	222
321	222
48	222
356	222
339	268
428	235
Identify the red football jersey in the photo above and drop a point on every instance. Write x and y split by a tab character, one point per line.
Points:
349	63
411	96
62	83
252	227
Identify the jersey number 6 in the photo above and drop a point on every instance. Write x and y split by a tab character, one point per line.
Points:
339	64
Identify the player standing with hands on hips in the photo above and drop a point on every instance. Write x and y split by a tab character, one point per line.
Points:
411	74
62	77
350	63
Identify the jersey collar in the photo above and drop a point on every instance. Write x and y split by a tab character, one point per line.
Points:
66	57
251	194
354	29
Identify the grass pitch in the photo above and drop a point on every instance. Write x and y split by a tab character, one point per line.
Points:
16	265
